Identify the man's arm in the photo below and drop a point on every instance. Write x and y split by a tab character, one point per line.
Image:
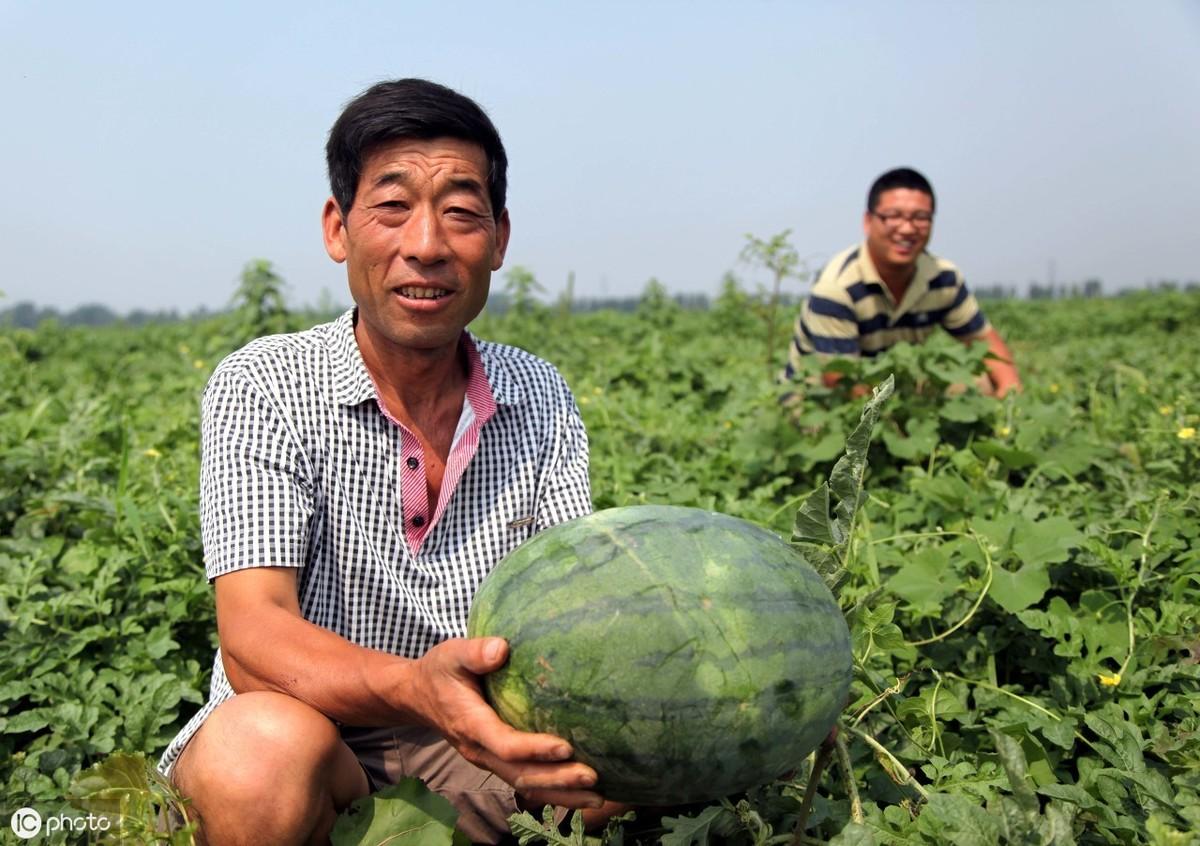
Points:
1001	369
267	645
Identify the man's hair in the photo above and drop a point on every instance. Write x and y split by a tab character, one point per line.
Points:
901	177
409	108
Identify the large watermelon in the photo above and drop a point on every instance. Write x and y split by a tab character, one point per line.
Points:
686	655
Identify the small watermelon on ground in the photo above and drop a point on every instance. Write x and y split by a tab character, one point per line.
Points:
686	655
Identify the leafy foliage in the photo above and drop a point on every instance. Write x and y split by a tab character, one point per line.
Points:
1022	579
405	814
140	805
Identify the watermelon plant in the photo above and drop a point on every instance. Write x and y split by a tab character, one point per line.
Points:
1021	584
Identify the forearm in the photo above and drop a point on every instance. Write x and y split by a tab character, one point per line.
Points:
1003	375
1001	369
274	648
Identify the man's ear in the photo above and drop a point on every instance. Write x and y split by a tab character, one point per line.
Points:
866	223
503	230
333	227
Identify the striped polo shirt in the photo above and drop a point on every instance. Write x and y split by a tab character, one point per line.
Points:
851	312
301	467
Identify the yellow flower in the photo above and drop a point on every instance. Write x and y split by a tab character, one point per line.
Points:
198	364
1186	433
1109	679
584	400
597	390
1165	409
1004	431
184	349
152	453
728	424
1054	387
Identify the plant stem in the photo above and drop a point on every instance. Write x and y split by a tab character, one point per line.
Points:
896	764
1141	578
979	601
882	695
810	791
843	755
997	689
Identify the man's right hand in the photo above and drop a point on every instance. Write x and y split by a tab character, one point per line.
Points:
443	691
267	645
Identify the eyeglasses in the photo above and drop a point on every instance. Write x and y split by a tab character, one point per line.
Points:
893	219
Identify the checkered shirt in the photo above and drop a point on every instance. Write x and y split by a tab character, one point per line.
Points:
301	467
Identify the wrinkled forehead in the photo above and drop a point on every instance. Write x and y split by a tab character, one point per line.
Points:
448	157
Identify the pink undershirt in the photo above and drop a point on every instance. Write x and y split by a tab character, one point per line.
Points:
479	405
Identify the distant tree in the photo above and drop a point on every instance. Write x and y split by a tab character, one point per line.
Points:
26	315
566	300
259	306
780	258
91	314
521	286
691	301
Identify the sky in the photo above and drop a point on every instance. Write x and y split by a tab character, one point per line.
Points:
154	149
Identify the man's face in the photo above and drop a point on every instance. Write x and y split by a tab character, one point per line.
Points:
420	242
896	235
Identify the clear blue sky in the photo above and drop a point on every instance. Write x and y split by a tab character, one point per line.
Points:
151	149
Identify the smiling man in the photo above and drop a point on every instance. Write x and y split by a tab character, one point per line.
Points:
358	481
889	289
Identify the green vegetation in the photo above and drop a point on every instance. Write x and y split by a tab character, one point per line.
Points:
1022	581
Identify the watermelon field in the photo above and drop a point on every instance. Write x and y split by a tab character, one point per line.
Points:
1021	580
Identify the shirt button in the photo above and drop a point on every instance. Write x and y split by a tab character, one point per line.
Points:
418	521
412	462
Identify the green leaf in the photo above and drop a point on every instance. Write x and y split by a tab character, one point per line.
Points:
1123	746
1155	786
1072	793
1017	591
956	819
1010	457
406	814
715	821
105	786
825	519
35	719
528	830
1015	766
1046	541
812	520
854	834
920	440
926	580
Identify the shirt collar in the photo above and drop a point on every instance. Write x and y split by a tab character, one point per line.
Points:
488	382
927	269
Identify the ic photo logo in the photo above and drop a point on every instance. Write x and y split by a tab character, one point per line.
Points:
26	823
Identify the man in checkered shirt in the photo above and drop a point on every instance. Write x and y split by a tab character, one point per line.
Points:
358	481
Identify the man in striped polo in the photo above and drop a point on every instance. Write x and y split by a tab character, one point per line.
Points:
358	481
889	290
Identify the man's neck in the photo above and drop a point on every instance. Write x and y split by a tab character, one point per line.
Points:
895	276
420	388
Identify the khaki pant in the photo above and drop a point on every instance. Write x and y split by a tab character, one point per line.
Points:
484	802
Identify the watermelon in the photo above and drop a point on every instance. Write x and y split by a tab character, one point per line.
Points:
686	655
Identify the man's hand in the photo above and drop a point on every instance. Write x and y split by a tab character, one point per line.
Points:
443	692
1001	370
